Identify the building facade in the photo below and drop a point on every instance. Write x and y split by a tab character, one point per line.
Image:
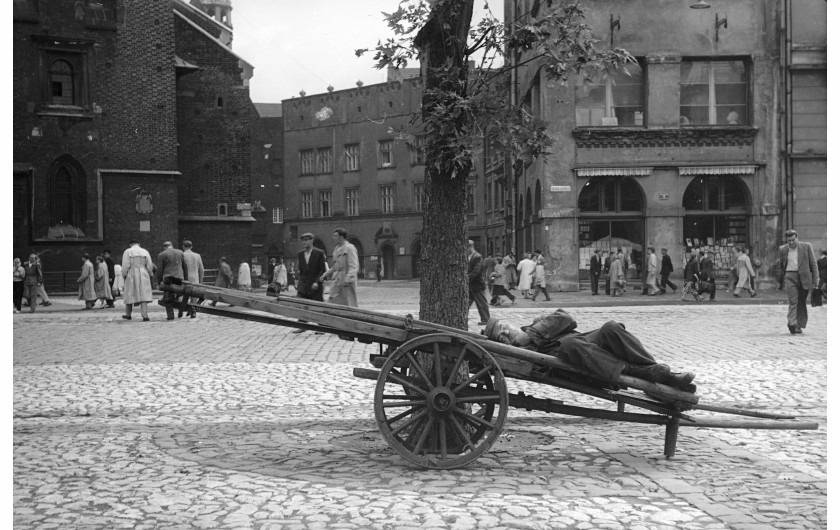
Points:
268	206
128	118
685	151
350	161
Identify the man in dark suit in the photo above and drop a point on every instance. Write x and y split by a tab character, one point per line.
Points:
110	264
312	264
707	273
170	264
595	271
475	276
798	275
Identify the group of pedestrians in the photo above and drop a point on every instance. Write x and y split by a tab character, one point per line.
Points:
613	268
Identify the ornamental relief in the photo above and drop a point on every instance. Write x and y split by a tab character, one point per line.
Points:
633	137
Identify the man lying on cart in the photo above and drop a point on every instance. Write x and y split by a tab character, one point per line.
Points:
606	352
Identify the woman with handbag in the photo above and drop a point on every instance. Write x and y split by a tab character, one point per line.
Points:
691	276
617	282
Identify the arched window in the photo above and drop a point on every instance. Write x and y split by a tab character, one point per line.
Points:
62	83
611	218
611	194
716	211
537	197
67	194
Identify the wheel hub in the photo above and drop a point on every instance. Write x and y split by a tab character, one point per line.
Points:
441	400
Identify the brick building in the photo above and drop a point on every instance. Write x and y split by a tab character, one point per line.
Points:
131	119
699	146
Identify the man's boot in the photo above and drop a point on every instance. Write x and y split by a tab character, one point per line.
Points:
682	381
655	373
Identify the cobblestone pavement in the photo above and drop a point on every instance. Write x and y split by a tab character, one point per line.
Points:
220	423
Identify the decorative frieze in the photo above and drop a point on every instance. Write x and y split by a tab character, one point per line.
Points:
631	137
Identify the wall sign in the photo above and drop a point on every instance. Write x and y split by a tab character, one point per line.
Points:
561	189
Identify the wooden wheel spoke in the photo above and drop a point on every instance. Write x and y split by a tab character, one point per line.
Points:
475	376
395	377
421	440
438	374
418	369
404	404
412	422
453	374
402	415
461	433
474	419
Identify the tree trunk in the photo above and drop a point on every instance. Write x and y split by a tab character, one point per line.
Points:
444	297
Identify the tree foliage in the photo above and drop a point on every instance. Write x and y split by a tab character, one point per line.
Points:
461	107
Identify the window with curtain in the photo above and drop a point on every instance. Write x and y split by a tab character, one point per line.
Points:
386	197
616	99
419	196
307	162
351	202
325	160
351	157
325	202
713	93
306	204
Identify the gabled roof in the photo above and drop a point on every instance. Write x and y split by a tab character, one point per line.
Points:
269	110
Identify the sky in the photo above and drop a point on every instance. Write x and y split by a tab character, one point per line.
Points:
310	45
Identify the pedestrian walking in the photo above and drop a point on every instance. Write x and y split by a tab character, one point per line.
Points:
344	271
119	283
756	263
489	266
279	278
31	279
595	271
269	273
195	269
86	281
378	268
822	267
41	290
312	264
691	277
665	270
539	278
17	286
243	279
101	285
617	280
650	287
292	276
513	277
137	269
112	271
500	282
799	274
606	271
170	266
224	277
475	278
526	269
707	275
745	271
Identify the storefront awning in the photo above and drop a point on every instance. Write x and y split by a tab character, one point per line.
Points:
614	171
717	170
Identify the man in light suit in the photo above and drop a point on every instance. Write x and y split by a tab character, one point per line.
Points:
798	274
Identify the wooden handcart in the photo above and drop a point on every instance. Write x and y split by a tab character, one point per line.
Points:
441	396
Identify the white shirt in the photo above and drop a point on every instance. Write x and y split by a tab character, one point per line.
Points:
793	259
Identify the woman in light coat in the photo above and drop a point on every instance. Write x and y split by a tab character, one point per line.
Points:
137	270
87	291
101	281
745	272
119	283
526	269
244	278
281	276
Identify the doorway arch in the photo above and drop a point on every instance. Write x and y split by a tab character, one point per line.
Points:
416	250
387	253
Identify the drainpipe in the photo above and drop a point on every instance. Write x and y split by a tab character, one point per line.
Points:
513	183
788	125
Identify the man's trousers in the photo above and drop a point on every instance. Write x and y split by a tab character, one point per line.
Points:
797	309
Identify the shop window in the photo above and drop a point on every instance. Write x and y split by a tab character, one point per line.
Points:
614	99
716	212
713	93
611	194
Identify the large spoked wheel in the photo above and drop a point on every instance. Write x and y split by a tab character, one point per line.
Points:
447	408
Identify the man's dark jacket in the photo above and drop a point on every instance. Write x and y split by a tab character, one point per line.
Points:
170	264
475	273
311	273
595	266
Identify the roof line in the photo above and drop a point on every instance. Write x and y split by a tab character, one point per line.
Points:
208	17
211	37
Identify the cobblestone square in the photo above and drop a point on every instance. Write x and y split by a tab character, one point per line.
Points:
220	423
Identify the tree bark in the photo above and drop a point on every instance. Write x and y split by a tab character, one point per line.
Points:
444	297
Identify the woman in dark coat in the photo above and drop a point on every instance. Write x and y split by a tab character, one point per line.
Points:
691	272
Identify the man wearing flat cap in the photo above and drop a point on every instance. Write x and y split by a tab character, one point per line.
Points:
312	263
